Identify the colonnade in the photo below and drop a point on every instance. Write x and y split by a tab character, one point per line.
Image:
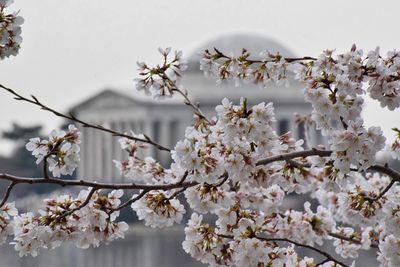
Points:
100	149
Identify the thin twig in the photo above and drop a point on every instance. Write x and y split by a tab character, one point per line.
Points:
292	155
187	101
7	193
83	204
225	177
383	192
324	253
71	117
195	107
185	175
84	183
385	169
45	173
251	61
349	239
130	201
320	251
177	193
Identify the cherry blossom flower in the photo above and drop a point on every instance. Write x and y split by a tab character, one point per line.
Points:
61	151
10	31
158	211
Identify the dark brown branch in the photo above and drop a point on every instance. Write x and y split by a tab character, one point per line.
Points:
383	192
71	117
350	239
292	155
195	107
177	193
386	170
326	153
251	61
324	253
296	164
284	157
45	173
185	175
130	201
180	182
187	101
83	204
84	183
320	251
224	177
144	192
288	60
7	193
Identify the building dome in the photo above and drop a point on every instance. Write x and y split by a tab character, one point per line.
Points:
234	43
205	90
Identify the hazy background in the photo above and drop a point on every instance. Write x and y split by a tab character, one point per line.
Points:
72	48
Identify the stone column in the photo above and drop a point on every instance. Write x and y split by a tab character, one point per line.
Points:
148	130
117	150
109	164
133	127
98	164
164	139
82	170
90	154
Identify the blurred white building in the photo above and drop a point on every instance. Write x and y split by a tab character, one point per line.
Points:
125	109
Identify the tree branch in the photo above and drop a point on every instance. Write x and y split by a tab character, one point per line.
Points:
195	107
71	117
187	101
83	204
320	251
62	182
130	201
383	192
292	155
324	253
326	153
349	239
7	193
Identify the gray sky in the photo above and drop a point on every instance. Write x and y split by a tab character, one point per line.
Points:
72	48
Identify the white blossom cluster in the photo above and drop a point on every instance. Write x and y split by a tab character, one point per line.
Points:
341	77
146	170
356	146
244	248
158	210
10	31
272	67
221	156
334	85
161	81
232	143
90	225
60	151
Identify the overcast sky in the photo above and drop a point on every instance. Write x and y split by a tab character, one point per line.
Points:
72	49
